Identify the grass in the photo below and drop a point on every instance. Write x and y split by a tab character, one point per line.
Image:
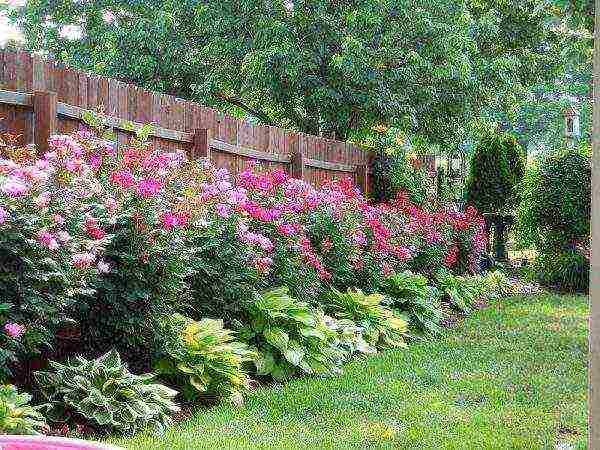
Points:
512	376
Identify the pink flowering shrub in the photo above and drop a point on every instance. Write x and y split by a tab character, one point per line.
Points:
44	202
349	243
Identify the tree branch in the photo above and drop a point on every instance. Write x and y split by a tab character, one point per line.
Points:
238	102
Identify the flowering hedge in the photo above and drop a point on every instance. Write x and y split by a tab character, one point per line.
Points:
114	241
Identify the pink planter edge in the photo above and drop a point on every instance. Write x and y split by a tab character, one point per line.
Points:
38	443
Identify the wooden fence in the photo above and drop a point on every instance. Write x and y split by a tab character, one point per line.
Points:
40	97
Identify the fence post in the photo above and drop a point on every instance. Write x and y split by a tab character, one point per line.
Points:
297	165
201	147
38	73
362	178
44	109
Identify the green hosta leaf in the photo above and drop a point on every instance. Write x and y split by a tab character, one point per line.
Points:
165	366
103	417
200	383
303	316
294	352
264	363
110	359
276	337
312	332
186	369
104	391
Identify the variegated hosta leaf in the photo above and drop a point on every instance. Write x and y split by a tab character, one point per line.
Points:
276	337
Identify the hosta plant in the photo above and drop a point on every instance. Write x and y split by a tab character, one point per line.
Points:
289	337
462	292
411	294
104	392
206	357
381	326
350	337
498	284
16	415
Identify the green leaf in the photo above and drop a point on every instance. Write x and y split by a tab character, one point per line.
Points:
276	337
200	383
294	352
264	362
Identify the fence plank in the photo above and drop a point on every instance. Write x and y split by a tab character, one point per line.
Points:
44	105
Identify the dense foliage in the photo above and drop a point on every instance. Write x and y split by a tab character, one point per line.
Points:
497	168
318	66
567	270
158	257
289	336
412	294
17	416
381	327
555	209
554	218
394	174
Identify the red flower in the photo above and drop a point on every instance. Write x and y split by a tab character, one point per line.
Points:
96	233
451	257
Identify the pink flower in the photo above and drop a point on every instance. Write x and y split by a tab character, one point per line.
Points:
223	210
263	264
387	269
14	330
14	188
287	229
96	233
122	178
183	218
402	253
433	237
63	236
34	174
169	220
83	260
279	176
222	174
451	257
224	186
73	165
149	187
58	219
109	149
46	238
360	238
103	267
3	215
42	164
95	161
236	197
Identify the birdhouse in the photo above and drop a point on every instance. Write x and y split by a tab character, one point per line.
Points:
572	129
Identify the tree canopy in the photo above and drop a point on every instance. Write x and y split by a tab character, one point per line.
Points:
334	68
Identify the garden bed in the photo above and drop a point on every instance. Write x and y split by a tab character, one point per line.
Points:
512	375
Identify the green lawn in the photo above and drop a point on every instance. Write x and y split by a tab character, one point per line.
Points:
512	376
